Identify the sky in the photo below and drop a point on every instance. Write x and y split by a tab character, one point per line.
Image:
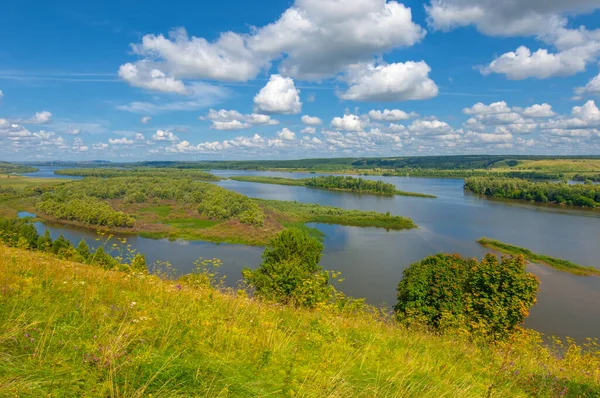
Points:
126	81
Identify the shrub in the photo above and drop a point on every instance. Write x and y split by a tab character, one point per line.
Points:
489	298
290	271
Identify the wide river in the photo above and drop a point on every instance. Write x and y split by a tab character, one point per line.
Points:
372	260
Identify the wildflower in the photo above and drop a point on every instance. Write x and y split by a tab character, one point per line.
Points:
178	287
133	303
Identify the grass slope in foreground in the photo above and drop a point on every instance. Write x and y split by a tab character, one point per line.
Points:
335	183
556	263
70	330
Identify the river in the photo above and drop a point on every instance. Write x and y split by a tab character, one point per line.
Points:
372	260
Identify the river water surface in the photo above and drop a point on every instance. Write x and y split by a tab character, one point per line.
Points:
372	260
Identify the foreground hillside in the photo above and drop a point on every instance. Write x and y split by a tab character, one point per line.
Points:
69	329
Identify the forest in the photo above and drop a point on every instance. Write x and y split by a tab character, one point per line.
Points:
583	195
587	177
137	172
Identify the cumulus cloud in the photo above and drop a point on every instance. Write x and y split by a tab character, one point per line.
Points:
389	82
393	115
546	20
120	141
308	130
278	96
145	120
143	76
1	95
311	120
541	64
539	111
592	88
39	118
234	120
286	134
429	127
315	39
164	135
348	123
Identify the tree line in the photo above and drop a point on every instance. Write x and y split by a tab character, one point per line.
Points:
584	195
20	233
138	172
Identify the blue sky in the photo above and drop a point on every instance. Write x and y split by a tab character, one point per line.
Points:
293	79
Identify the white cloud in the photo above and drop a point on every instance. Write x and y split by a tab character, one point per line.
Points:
230	125
278	96
505	18
1	95
389	82
592	88
482	109
139	137
120	141
429	127
308	130
39	118
142	75
145	120
164	135
315	39
234	120
541	64
286	134
100	146
393	115
348	123
538	111
311	120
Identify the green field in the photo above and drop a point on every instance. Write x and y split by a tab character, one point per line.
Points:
73	330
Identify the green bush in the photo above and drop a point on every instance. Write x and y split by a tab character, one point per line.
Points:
290	271
488	298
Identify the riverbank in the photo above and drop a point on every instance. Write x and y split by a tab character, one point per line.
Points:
313	183
91	332
556	263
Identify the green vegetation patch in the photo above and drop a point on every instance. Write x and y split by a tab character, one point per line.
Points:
191	223
138	172
296	211
335	183
556	263
582	195
10	168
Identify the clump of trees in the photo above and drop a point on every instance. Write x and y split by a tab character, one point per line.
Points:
22	234
86	200
85	209
350	184
587	177
490	298
290	272
585	195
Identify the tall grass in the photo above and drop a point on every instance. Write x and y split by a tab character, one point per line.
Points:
70	330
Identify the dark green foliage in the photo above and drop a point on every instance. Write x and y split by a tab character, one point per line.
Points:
19	233
222	204
83	249
351	184
138	172
290	271
85	209
584	195
487	298
587	177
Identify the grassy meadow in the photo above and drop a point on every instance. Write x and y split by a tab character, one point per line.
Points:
68	329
